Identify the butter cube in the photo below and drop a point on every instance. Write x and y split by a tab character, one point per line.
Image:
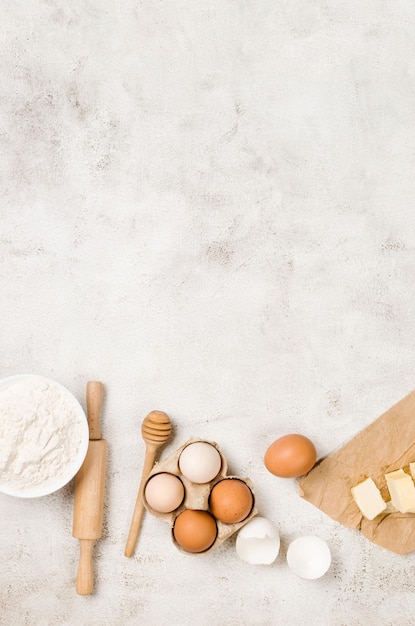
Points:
368	499
402	491
412	469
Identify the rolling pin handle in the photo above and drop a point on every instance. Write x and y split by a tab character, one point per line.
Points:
94	396
85	576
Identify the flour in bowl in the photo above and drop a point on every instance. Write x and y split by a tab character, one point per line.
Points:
41	434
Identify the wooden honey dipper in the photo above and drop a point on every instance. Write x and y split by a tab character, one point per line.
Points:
155	430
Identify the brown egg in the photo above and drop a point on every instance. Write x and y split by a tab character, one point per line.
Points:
290	456
231	500
194	530
164	492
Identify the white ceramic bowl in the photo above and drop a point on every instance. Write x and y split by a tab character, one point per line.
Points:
44	436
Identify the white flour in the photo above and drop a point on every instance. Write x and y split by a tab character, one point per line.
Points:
40	434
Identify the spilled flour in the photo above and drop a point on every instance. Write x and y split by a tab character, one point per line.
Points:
41	434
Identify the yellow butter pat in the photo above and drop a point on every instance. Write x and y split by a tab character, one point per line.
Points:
368	499
402	491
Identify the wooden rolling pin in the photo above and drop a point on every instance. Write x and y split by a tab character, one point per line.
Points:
89	491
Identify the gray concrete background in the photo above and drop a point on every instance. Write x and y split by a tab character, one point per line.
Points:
209	207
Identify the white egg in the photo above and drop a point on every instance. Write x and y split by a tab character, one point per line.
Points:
200	462
309	557
258	542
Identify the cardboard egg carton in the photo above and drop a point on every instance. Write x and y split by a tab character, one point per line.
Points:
197	495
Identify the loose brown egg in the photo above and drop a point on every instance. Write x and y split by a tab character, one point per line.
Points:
194	530
290	456
231	500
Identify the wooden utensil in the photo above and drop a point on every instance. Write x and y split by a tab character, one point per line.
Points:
89	491
155	430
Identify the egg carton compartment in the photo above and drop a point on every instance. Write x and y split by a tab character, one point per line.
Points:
196	496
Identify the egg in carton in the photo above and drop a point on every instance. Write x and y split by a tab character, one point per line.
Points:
197	496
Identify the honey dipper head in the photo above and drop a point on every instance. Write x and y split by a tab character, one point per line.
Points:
156	427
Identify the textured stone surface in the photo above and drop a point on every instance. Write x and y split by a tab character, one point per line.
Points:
209	207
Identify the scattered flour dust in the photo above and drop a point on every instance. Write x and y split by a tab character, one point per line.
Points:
40	434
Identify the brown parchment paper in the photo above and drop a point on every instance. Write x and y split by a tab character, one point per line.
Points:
385	445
